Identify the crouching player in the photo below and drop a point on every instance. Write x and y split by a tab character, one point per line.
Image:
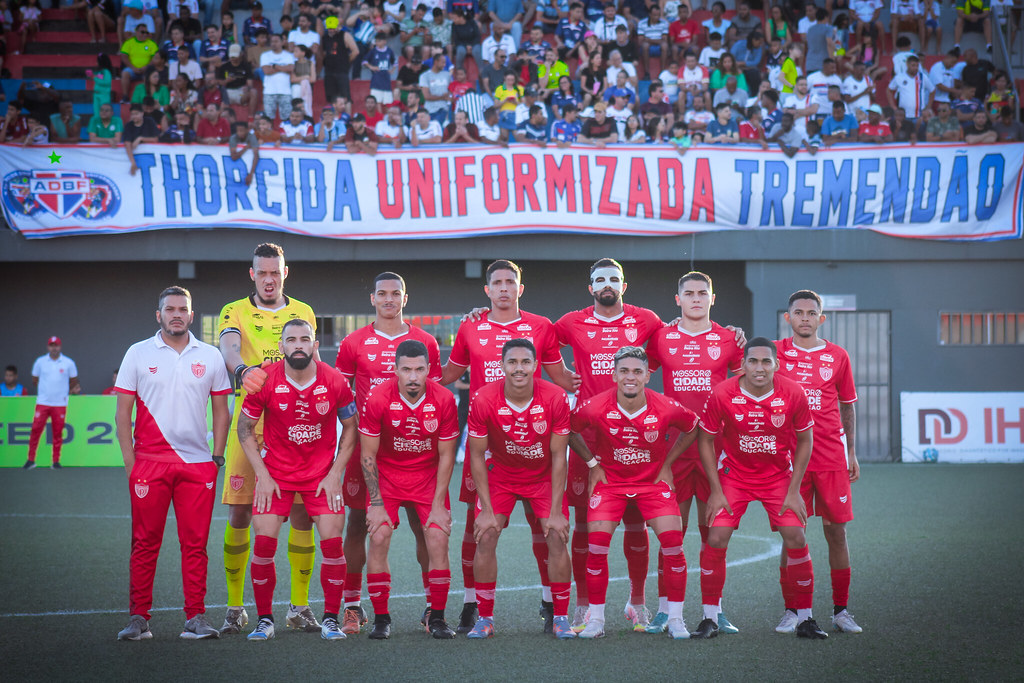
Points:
766	426
299	402
409	431
633	462
518	434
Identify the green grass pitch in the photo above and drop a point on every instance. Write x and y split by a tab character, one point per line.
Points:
936	585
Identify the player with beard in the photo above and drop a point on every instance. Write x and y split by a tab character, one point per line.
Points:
250	331
477	346
594	334
173	376
300	402
518	433
367	357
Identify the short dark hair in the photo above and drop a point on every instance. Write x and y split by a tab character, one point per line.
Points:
268	250
503	264
630	352
388	275
821	14
520	343
695	275
293	322
412	348
715	36
135	107
12	368
772	95
241	122
804	294
536	109
758	342
174	290
606	263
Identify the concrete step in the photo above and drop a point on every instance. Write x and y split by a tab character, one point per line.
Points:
70	48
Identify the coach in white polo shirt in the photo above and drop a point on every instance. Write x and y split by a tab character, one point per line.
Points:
55	376
169	378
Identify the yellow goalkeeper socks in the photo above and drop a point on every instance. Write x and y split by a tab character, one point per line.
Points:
301	555
236	559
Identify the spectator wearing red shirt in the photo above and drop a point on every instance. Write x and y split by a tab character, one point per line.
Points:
683	32
212	128
874	129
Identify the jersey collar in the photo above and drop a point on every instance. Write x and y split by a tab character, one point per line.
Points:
417	404
593	312
158	339
252	300
693	334
302	387
755	398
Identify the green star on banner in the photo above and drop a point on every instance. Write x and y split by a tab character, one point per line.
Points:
54	157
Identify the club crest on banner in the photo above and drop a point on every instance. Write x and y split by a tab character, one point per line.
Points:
61	194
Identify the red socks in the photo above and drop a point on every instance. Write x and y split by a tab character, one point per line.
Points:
485	598
597	567
636	547
379	588
263	573
800	573
674	565
841	587
712	575
353	588
540	547
438	583
468	548
579	549
332	573
560	598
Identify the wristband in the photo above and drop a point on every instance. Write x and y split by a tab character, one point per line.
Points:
592	463
239	371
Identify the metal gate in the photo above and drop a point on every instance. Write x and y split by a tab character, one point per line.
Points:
865	336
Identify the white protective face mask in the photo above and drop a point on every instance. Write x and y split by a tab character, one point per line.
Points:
606	274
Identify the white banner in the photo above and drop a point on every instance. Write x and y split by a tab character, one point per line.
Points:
963	426
946	192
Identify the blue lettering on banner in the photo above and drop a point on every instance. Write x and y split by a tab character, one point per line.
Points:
289	190
235	188
176	184
866	191
956	191
314	211
345	195
264	167
746	168
835	192
926	179
776	184
991	164
895	190
804	192
204	168
145	162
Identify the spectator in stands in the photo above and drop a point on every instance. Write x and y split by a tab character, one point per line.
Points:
857	90
593	78
620	86
99	16
265	132
977	72
733	97
712	52
790	70
287	26
40	98
807	21
562	97
510	16
840	126
682	33
907	12
425	130
529	99
241	141
409	78
139	129
211	92
295	130
717	23
944	74
655	132
903	52
632	133
372	111
277	66
772	111
549	72
656	106
914	90
391	130
184	64
414	31
441	32
38	133
749	52
255	23
434	84
743	24
943	127
184	96
752	129
589	46
302	77
617	64
972	15
229	29
14	127
305	35
693	81
11	386
778	25
680	138
819	82
604	28
329	131
619	109
190	25
980	131
340	52
669	79
139	49
103	127
499	40
722	129
214	49
66	125
131	17
626	47
508	96
466	38
150	109
180	132
801	104
874	130
175	41
254	52
212	129
698	118
599	130
727	67
570	30
1002	95
152	87
381	60
932	27
1007	128
461	130
789	137
236	78
868	13
902	129
566	130
652	32
460	84
102	81
820	43
490	131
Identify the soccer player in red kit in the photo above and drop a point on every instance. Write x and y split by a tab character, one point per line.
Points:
367	356
170	378
409	430
299	402
696	355
477	346
766	429
635	443
518	433
823	370
595	333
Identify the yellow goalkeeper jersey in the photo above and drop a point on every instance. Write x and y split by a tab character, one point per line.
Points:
261	329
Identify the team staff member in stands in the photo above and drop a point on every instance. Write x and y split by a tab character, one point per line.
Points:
250	330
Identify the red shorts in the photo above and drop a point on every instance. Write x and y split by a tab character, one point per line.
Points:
314	504
578	481
770	495
689	481
354	487
827	495
610	500
504	495
393	504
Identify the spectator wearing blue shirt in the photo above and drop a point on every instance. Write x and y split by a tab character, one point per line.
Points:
570	31
534	130
748	52
722	129
510	15
213	51
563	97
381	60
254	23
840	127
535	45
772	112
565	130
550	13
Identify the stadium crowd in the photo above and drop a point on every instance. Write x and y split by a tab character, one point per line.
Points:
556	72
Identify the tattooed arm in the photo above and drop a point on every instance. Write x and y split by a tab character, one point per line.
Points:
376	515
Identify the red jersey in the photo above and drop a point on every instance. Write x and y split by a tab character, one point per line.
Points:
882	129
478	345
827	378
680	33
749	131
299	424
520	439
758	433
369	356
694	363
632	448
594	341
409	433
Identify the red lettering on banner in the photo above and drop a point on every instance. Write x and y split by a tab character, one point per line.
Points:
1002	425
671	202
988	425
390	209
524	179
421	187
445	182
606	205
639	189
463	181
703	193
499	203
585	183
560	181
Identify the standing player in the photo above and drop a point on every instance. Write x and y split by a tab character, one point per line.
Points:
409	430
823	370
518	433
766	429
477	346
173	375
697	355
55	376
250	331
300	402
633	427
595	334
367	356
